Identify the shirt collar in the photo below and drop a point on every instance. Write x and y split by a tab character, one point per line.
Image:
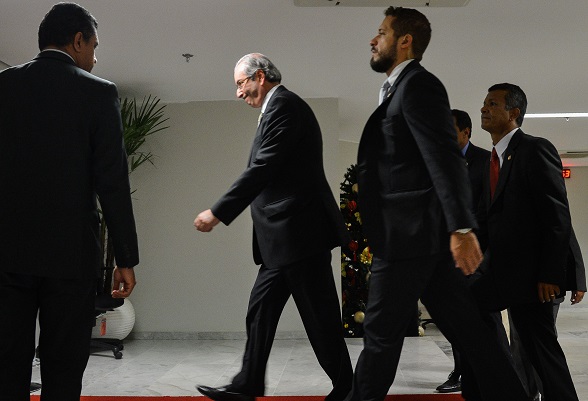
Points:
60	51
503	144
394	76
465	148
268	97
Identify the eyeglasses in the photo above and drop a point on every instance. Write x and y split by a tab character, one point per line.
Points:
243	82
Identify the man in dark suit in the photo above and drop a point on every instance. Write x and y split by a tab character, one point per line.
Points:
60	146
525	228
296	223
416	211
477	161
476	157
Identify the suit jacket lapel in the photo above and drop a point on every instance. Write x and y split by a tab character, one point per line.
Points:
367	138
509	156
412	65
262	124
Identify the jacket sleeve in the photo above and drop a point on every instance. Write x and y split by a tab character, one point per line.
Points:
427	113
280	131
550	199
111	178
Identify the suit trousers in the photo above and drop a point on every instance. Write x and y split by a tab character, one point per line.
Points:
66	317
535	325
395	286
312	286
522	361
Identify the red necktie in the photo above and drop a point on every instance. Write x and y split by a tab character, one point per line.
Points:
494	171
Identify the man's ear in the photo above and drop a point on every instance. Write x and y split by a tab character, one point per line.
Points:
77	41
406	40
260	76
514	113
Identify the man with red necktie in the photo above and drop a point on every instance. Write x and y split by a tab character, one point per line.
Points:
525	229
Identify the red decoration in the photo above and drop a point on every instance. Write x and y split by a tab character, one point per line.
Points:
352	205
354	246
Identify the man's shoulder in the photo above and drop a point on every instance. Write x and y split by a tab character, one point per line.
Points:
92	79
416	79
51	64
283	97
283	92
477	152
524	140
415	70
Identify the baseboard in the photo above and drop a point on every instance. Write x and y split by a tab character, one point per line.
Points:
208	335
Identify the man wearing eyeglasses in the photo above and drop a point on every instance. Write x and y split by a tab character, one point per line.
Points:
296	223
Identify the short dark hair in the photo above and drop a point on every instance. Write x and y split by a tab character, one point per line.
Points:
462	120
515	98
62	22
413	22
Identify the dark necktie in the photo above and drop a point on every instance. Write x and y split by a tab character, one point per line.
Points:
387	90
494	171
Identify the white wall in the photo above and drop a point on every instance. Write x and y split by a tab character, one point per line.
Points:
190	282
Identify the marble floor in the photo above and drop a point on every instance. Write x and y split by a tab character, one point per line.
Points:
174	367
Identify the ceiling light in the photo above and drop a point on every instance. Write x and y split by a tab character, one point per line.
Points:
380	3
555	115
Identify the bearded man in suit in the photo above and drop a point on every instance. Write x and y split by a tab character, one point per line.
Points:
416	202
61	145
285	185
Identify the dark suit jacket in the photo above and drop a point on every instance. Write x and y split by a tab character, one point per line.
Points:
477	160
60	145
294	212
413	184
526	227
575	271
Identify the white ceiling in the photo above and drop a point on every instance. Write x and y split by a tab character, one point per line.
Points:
540	45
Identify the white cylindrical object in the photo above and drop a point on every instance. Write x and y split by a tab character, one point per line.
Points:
115	324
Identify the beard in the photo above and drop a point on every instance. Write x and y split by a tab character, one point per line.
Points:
386	60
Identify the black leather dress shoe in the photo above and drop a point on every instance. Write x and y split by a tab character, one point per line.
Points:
223	394
452	385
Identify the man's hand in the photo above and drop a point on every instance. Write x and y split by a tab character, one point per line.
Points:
547	292
126	277
577	296
466	252
206	221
